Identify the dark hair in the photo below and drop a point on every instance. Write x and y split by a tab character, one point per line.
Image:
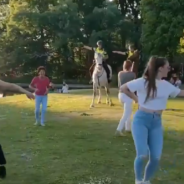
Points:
40	68
150	74
127	64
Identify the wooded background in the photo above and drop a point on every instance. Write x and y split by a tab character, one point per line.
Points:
52	32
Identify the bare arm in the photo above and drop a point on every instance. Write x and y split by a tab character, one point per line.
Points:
88	48
124	89
32	88
119	52
6	86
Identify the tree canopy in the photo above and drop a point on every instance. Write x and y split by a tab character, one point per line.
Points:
52	33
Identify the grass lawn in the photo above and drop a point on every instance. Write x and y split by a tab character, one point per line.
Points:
78	144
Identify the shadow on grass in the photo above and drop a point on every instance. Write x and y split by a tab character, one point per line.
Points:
76	146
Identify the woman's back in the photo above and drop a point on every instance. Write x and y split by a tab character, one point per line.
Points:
124	77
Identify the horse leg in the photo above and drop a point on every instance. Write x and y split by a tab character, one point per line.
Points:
108	99
94	95
99	97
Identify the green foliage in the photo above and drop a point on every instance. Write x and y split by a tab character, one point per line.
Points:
162	26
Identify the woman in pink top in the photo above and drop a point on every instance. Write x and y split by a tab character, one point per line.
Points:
40	85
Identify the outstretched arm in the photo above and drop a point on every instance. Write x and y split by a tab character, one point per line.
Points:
119	52
88	48
6	86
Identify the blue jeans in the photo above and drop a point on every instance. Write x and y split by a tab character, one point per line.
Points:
38	101
147	133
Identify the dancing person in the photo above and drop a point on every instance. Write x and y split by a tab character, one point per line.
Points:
125	76
132	55
147	131
101	51
5	86
40	85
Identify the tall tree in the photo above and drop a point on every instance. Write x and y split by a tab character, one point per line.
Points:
162	26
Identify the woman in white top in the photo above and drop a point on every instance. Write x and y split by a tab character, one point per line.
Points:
152	96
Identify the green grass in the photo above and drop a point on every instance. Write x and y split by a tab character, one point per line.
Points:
78	143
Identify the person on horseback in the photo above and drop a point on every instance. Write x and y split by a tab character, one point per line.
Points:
102	51
132	55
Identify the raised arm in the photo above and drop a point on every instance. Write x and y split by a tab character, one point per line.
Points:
119	52
87	47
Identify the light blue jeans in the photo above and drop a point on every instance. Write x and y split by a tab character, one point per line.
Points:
40	100
147	133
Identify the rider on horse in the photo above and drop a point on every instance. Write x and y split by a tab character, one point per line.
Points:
101	51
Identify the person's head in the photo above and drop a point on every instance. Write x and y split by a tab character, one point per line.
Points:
131	48
100	44
41	71
157	68
127	65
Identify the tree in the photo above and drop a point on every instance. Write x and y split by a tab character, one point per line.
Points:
162	26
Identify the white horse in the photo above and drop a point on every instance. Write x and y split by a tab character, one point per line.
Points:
99	79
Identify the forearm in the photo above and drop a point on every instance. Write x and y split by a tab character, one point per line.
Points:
119	52
14	88
125	90
32	88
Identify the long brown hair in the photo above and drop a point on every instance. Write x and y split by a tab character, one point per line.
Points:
150	74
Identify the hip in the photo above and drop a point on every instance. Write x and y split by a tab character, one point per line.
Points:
123	98
147	119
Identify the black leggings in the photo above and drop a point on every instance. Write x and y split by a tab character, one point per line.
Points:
106	69
2	163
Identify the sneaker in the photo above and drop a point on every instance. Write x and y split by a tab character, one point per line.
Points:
42	124
146	182
119	133
36	123
138	182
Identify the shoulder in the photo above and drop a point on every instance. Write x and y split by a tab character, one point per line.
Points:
121	72
35	78
166	83
141	80
47	78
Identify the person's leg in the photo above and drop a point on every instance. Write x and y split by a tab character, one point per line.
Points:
126	114
38	100
2	164
107	70
128	123
91	71
140	137
155	144
44	108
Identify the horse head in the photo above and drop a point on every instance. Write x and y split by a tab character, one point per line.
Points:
98	60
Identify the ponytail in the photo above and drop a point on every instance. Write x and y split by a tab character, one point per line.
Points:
150	74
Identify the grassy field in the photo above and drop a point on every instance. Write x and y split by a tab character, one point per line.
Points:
78	144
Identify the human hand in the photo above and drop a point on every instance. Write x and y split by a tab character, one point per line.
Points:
47	91
30	95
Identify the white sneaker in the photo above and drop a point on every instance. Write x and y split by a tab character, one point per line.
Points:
146	182
138	182
119	133
36	123
42	124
